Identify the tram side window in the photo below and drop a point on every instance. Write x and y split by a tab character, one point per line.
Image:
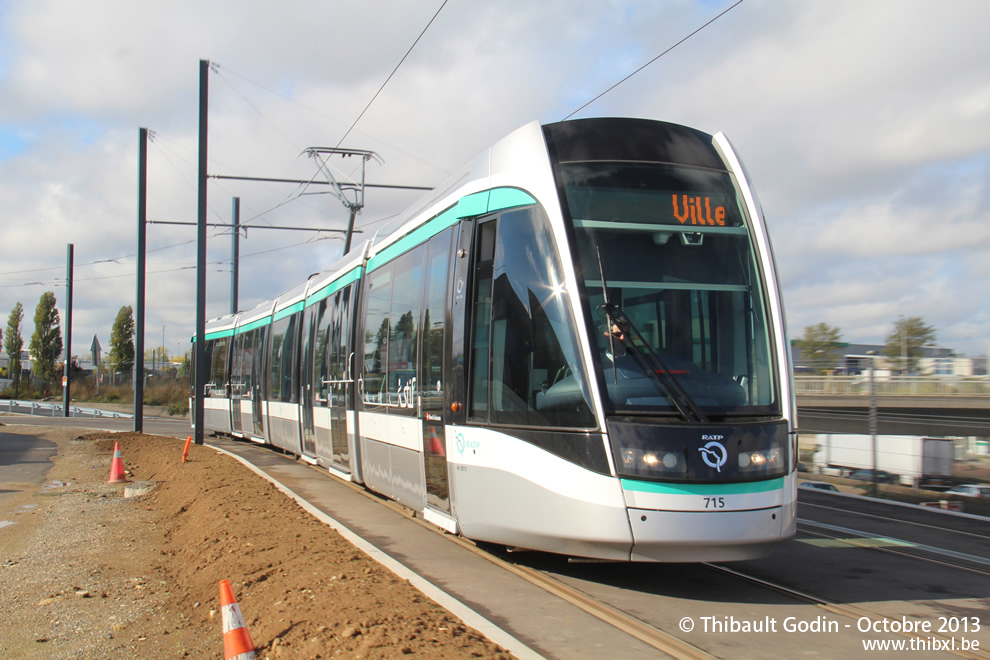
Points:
376	331
192	374
407	281
339	340
536	376
284	375
433	320
208	359
324	314
481	320
254	360
218	367
237	380
307	370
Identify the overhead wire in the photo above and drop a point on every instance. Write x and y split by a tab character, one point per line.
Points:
301	190
221	70
257	110
348	131
720	15
153	137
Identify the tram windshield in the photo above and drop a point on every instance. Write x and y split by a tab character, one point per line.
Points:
673	246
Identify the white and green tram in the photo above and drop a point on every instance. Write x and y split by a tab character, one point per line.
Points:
575	345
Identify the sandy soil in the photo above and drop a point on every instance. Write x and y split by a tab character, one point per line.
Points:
88	573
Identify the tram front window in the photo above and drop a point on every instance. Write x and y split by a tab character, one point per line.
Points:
674	248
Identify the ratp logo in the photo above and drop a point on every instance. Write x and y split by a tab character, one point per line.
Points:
459	438
714	454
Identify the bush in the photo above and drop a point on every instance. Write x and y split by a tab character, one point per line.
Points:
179	409
25	392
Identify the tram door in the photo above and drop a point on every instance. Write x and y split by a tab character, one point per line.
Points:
306	384
431	376
341	375
460	310
256	368
331	378
236	383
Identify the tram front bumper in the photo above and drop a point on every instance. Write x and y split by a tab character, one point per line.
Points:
702	536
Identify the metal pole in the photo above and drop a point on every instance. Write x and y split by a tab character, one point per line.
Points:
873	427
138	378
68	329
201	367
235	251
350	230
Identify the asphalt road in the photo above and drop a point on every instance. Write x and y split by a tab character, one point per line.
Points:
175	427
24	459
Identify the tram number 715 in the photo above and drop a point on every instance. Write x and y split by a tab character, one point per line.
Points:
714	502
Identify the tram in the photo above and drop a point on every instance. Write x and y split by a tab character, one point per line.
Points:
575	345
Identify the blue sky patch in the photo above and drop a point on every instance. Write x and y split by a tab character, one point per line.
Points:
13	140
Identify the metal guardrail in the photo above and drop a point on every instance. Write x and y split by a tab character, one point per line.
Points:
42	408
949	386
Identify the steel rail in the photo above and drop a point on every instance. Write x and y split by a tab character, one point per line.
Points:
840	609
902	551
900	520
644	632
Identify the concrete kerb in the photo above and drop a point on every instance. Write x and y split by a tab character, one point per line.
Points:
456	607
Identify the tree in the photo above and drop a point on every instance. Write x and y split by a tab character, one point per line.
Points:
818	346
905	342
13	343
46	342
122	340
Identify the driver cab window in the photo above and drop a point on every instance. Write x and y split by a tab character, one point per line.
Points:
525	361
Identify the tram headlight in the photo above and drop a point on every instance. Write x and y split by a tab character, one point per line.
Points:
651	463
760	460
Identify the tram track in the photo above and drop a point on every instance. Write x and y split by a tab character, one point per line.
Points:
633	626
653	636
902	521
840	609
902	549
643	631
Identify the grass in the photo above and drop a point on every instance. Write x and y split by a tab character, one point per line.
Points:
169	392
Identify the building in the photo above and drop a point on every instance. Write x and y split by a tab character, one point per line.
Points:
855	359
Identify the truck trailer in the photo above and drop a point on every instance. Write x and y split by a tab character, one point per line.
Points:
914	459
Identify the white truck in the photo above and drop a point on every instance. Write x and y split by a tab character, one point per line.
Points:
913	459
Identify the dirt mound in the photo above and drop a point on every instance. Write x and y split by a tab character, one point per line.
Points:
304	591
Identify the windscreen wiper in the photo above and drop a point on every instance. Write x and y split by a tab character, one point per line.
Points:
644	354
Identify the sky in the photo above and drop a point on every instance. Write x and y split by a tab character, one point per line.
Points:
865	127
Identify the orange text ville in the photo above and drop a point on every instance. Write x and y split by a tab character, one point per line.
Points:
698	210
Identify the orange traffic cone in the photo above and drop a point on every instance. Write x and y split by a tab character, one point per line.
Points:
237	644
185	450
117	466
436	447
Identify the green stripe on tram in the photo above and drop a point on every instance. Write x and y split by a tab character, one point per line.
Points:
289	311
248	327
333	287
480	203
219	334
506	198
668	488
